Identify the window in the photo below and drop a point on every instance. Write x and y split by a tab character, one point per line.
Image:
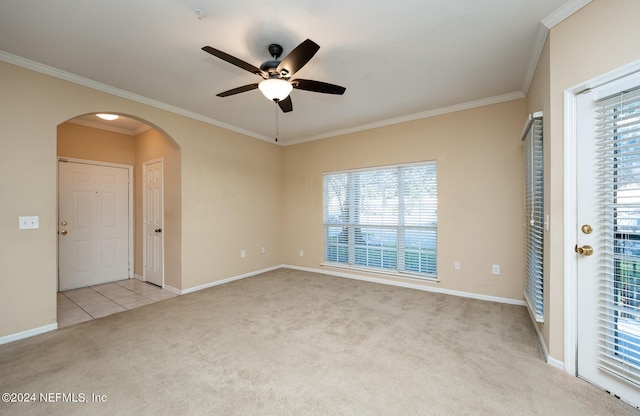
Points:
383	219
534	206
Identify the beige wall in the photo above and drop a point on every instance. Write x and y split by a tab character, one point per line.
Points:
235	197
480	192
27	187
230	184
152	145
82	142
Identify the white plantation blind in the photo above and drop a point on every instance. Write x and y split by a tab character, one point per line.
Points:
534	206
383	219
618	166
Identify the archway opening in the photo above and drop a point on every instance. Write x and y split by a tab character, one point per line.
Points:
131	142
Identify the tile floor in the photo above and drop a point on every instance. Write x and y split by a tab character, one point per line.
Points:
87	303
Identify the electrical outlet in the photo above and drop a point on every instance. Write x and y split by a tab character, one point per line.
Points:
301	252
495	269
456	265
243	253
28	223
263	250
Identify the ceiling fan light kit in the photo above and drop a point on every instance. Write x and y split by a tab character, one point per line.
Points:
275	89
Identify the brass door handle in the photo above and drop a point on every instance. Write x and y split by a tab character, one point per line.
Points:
63	232
158	230
584	250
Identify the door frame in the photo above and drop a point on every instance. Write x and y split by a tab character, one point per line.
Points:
570	209
129	207
144	224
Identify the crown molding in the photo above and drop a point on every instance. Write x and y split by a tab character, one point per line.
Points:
411	117
541	38
563	12
546	24
76	79
86	82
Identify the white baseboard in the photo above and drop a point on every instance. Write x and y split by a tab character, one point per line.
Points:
172	289
28	333
410	285
227	280
553	362
350	276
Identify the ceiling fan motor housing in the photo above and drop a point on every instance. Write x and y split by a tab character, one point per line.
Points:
271	66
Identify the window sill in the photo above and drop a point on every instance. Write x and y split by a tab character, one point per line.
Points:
421	278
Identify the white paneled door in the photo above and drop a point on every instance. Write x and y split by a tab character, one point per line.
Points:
153	222
93	224
608	239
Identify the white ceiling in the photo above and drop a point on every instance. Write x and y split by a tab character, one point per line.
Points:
398	60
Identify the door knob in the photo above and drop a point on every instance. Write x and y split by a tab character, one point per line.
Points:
158	230
64	232
584	250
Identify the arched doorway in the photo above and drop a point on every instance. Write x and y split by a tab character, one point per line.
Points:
127	142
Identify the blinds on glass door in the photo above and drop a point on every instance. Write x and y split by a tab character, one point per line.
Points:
618	166
534	206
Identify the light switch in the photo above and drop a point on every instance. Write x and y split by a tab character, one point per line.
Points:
28	223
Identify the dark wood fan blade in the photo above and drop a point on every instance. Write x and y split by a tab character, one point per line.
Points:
298	57
317	86
286	105
234	61
238	90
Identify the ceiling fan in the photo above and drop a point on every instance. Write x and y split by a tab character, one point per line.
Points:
277	83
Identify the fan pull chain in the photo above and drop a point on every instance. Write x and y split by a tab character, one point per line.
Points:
277	121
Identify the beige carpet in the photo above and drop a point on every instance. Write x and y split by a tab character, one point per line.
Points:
295	343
